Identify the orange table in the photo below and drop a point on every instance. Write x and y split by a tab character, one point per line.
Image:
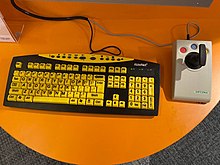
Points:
107	139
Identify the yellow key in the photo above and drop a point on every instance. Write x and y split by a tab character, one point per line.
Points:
116	84
138	85
108	103
77	76
111	69
90	68
144	86
123	85
100	89
151	80
74	88
115	97
30	80
61	81
15	91
28	73
123	70
82	102
76	94
16	73
25	92
44	93
83	77
38	93
122	104
47	75
63	94
51	93
57	93
37	86
42	66
137	105
36	80
20	98
117	70
79	82
96	68
144	80
36	65
15	85
32	92
30	65
93	89
16	79
57	66
55	100
98	102
82	95
42	80
144	106
131	79
34	74
55	87
89	102
110	84
117	78
99	77
151	103
70	94
59	75
144	99
131	98
49	87
71	76
80	88
123	78
110	78
137	92
92	83
40	74
84	68
131	92
95	96
73	101
138	79
102	69
131	85
28	98
68	88
63	67
18	65
75	67
65	75
12	98
89	77
48	66
87	89
52	75
69	67
144	92
151	89
137	98
48	81
115	103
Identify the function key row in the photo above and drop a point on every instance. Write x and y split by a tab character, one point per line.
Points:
36	65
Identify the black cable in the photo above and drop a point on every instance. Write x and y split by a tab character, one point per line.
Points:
69	18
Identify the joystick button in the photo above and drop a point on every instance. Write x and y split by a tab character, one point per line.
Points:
194	46
183	50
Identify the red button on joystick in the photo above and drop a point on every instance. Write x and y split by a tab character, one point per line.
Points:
183	50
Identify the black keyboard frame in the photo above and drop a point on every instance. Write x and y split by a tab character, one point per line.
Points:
153	71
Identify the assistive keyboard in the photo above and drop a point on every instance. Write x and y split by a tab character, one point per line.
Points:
88	83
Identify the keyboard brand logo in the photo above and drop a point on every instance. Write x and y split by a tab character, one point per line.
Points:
141	64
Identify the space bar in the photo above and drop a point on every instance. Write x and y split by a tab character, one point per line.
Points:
52	100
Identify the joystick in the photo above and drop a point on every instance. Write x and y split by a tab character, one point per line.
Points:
192	71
